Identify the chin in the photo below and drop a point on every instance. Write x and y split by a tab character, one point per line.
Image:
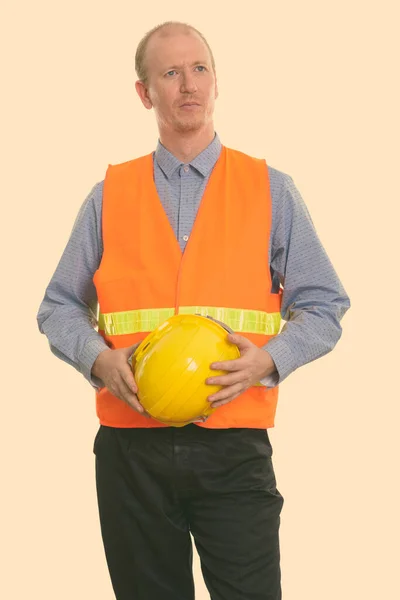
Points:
183	126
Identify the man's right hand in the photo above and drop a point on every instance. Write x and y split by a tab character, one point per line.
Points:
114	370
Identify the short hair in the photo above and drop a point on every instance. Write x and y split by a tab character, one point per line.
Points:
140	55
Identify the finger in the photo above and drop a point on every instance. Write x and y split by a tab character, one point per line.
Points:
123	392
129	379
134	403
228	365
239	340
222	402
129	352
133	348
130	349
227	392
230	379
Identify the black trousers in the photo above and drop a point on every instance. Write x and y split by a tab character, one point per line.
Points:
156	485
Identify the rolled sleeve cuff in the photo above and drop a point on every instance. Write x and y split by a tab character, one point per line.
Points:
284	361
89	354
270	381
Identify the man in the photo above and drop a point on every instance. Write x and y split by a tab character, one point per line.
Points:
253	250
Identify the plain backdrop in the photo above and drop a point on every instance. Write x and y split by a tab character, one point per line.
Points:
310	87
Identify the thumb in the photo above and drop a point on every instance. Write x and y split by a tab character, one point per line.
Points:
239	340
129	351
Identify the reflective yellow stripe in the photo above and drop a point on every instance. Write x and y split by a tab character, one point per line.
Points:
133	321
240	320
246	321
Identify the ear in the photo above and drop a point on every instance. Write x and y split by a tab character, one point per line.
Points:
216	87
143	94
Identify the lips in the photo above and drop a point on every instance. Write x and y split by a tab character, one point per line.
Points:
191	104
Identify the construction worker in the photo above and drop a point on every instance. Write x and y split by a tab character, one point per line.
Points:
194	226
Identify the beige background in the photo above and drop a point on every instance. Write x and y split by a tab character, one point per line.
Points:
310	86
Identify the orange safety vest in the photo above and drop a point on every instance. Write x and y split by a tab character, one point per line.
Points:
144	277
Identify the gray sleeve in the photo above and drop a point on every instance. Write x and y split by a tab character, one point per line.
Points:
67	314
314	300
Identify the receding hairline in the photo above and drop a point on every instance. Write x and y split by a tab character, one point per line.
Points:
166	29
170	28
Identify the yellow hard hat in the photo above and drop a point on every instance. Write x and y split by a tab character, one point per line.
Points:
171	366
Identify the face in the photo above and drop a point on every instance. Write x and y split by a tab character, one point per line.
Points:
181	84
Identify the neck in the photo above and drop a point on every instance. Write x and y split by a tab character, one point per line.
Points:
186	146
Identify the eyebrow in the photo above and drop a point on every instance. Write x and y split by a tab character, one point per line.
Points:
198	62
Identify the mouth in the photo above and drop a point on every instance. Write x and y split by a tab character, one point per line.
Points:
190	104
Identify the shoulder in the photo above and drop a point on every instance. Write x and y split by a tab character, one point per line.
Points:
89	214
284	194
94	199
278	179
128	165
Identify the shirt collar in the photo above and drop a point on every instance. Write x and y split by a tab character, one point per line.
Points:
203	162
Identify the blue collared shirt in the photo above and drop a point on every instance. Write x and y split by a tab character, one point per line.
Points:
313	302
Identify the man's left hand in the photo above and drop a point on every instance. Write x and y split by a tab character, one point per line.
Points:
254	364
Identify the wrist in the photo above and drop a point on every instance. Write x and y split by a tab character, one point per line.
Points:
269	366
96	368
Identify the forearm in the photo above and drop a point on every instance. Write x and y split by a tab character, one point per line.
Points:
72	338
313	299
309	334
68	310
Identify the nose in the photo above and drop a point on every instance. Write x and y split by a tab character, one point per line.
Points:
188	84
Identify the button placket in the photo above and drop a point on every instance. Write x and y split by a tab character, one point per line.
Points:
184	183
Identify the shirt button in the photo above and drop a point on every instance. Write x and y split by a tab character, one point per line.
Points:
185	237
186	168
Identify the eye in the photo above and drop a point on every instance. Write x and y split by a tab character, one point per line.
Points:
201	67
169	73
